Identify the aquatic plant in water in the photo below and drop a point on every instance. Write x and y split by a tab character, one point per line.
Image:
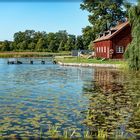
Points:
114	106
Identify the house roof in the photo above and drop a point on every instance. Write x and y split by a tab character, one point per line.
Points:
116	29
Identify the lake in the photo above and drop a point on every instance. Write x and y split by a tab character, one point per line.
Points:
48	100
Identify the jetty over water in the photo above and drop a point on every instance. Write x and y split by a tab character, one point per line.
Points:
28	61
14	61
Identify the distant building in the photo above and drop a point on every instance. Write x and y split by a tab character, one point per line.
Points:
112	43
78	52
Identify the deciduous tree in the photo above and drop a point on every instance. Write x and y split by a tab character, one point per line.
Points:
88	36
5	46
104	13
79	43
133	51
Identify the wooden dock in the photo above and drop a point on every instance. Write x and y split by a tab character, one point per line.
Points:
28	61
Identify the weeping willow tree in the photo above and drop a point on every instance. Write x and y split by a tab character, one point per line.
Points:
133	51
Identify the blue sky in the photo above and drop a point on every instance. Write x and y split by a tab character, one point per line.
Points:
41	16
47	16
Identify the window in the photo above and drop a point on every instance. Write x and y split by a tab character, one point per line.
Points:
108	52
97	49
119	49
104	49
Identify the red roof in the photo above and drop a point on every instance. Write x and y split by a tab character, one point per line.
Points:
117	29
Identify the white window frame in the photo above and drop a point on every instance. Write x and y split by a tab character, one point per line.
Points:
108	52
104	49
97	49
119	49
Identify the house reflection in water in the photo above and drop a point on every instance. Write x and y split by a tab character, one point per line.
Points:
110	102
108	80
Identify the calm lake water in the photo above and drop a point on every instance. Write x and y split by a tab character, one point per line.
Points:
36	98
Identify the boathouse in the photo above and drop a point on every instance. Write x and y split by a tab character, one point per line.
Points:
112	43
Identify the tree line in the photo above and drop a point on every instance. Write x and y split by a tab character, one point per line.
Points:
30	40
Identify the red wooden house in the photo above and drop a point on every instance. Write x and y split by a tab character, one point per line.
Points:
112	43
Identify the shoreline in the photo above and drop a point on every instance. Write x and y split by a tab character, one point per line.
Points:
90	65
31	54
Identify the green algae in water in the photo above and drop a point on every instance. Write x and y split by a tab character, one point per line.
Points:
35	96
115	105
81	102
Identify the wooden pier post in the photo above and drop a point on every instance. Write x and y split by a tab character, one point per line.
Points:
42	62
31	62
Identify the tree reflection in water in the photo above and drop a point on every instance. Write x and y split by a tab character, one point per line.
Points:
114	103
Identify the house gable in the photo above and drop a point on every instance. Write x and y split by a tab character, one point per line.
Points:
112	32
114	42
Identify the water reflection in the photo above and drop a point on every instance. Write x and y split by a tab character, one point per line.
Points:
114	103
109	80
33	97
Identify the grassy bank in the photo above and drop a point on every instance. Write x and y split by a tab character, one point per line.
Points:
31	54
69	59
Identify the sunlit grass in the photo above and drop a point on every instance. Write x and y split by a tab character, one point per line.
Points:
68	59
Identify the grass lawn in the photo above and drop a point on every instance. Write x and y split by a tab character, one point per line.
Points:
69	59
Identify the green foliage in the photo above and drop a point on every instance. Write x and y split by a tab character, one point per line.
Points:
61	46
31	46
104	13
133	51
23	45
79	43
29	40
52	46
90	46
88	36
70	44
41	44
5	46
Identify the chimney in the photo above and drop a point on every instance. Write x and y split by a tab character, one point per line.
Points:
106	33
101	34
119	22
126	19
112	31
